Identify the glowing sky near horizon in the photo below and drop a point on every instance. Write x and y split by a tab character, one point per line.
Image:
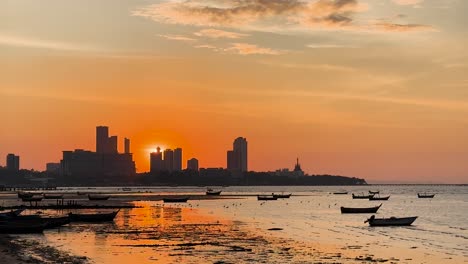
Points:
373	89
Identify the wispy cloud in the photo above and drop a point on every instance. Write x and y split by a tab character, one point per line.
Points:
328	46
322	67
395	27
216	33
408	2
251	49
19	41
177	37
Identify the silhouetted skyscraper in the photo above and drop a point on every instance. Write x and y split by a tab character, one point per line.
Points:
102	139
192	164
177	163
237	158
126	145
156	161
168	160
12	162
112	145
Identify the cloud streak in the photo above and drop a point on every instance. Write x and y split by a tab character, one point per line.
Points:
178	37
18	41
216	34
251	49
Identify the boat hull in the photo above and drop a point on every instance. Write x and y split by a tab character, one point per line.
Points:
385	198
362	196
365	210
266	198
175	200
93	217
393	221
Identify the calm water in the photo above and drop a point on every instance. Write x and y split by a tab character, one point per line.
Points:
311	216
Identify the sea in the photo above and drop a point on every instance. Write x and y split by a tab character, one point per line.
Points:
237	228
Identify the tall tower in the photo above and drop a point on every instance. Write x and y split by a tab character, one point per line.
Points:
12	162
192	164
177	165
168	159
156	162
102	139
240	150
126	146
112	145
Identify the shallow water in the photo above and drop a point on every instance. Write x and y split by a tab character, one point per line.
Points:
236	230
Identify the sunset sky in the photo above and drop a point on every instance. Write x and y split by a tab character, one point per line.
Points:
376	89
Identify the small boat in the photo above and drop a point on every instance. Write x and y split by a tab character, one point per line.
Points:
266	197
97	217
126	189
11	213
282	195
22	195
176	200
344	192
81	193
425	195
98	197
53	196
32	199
360	210
379	198
12	227
362	196
374	192
392	221
212	192
49	222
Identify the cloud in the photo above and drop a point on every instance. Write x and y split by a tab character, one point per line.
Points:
255	14
327	46
18	41
216	33
251	49
408	2
394	27
177	37
314	67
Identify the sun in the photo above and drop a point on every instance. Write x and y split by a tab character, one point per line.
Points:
154	147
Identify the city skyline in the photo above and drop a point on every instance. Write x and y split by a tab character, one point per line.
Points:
365	88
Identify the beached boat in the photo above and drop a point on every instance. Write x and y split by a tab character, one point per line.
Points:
22	195
282	195
362	196
98	197
32	199
11	213
392	221
266	197
343	192
176	199
374	192
379	198
425	195
360	210
212	192
53	196
12	227
96	217
49	222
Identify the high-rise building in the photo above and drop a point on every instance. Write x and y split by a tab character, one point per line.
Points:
12	162
102	139
168	160
177	163
237	157
192	164
126	145
112	145
156	161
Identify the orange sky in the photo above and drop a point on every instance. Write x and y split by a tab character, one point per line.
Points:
372	89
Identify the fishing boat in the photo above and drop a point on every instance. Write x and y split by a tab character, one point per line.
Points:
343	192
22	195
32	199
374	192
53	196
379	198
96	217
49	222
360	210
425	195
212	192
98	197
362	196
392	221
266	197
176	199
282	195
13	227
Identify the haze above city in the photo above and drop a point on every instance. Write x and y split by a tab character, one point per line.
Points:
371	89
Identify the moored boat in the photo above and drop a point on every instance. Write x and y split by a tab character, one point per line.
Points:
53	196
425	195
266	197
13	227
212	192
96	217
343	192
98	197
126	189
175	199
360	210
392	221
374	192
22	195
11	213
379	198
362	196
32	199
281	195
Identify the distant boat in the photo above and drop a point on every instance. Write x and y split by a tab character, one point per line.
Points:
98	197
53	196
362	196
126	189
32	199
392	221
360	210
379	198
266	197
212	192
374	192
343	192
22	195
425	195
282	195
98	217
176	199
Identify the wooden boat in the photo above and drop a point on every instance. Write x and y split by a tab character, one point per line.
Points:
425	195
360	210
11	213
363	196
22	195
12	227
97	217
379	198
212	192
282	195
392	221
32	199
98	197
49	222
374	192
344	192
266	197
53	196
176	199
